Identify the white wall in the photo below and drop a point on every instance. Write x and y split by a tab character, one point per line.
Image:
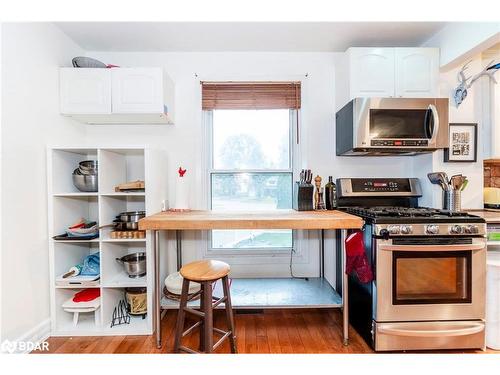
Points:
31	55
462	40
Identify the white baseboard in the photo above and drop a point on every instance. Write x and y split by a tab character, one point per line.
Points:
36	335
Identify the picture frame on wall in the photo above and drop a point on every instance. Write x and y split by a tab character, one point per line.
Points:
462	143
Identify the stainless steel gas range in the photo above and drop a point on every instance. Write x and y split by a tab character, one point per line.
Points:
429	269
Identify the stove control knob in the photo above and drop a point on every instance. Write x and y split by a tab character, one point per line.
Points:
456	229
432	229
406	229
394	229
472	229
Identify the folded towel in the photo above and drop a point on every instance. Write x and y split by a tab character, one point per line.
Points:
356	260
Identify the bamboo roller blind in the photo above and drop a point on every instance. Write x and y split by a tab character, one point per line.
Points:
250	95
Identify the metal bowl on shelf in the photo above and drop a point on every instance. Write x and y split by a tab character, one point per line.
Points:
87	167
134	264
85	182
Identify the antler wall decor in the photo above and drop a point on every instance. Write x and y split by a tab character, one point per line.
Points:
460	93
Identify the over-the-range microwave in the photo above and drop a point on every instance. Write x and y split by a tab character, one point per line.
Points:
392	126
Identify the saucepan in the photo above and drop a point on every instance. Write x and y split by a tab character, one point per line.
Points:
134	264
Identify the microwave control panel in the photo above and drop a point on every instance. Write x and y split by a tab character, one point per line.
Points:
400	142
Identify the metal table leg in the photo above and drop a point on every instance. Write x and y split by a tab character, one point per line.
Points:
157	299
321	253
345	297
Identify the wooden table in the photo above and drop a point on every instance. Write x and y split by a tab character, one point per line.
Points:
278	219
489	215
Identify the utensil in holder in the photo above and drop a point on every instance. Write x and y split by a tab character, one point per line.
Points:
303	196
452	200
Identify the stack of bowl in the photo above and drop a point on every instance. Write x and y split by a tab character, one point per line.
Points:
85	176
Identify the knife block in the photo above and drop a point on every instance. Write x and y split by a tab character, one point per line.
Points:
303	197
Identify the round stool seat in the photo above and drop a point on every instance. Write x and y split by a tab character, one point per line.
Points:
205	270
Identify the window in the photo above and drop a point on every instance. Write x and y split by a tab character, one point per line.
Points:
251	169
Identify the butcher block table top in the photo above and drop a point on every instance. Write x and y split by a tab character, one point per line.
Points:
277	219
491	216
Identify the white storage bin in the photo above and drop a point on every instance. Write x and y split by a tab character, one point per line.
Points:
493	301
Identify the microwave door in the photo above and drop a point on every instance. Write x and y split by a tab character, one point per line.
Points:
408	124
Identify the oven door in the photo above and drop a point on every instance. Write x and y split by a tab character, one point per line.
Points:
431	281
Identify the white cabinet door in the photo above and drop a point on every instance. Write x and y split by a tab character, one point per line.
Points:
85	90
417	72
137	90
371	72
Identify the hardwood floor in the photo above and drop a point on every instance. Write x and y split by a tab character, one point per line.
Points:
273	331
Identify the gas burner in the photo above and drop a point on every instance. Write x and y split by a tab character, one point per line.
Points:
404	212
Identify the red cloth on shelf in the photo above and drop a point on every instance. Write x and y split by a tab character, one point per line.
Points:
87	295
356	259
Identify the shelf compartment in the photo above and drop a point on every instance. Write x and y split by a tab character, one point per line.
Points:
64	162
114	274
111	206
138	326
117	166
64	320
69	209
67	254
273	293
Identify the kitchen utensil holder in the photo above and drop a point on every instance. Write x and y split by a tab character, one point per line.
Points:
303	196
452	200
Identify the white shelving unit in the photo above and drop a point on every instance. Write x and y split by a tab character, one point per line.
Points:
67	205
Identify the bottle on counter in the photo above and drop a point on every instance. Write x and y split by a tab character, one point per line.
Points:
330	194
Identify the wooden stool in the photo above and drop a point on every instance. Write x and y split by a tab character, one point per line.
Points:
205	272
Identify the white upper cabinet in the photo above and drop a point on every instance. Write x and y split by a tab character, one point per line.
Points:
85	90
371	72
137	90
417	72
117	95
393	72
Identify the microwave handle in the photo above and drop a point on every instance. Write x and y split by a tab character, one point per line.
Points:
431	113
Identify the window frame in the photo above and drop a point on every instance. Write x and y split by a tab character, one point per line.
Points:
209	171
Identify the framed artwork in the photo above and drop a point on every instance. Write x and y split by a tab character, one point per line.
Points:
462	143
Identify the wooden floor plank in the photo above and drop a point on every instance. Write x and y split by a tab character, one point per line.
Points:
272	331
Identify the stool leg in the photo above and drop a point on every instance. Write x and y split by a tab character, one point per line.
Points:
229	314
181	315
208	324
202	326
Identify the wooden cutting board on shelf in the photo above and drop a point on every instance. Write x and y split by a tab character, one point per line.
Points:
130	186
127	234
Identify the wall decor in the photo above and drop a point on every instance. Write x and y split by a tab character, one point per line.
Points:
465	83
462	143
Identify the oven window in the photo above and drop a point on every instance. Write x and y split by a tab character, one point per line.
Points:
430	277
398	123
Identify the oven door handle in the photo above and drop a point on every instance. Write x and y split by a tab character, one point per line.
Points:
468	329
473	247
